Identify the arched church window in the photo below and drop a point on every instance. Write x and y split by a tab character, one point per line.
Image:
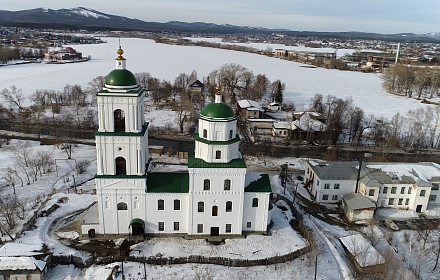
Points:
227	185
214	211
200	206
255	202
160	204
228	206
218	154
122	206
205	133
120	166
206	185
119	119
231	133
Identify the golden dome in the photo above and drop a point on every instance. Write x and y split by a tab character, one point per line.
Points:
120	53
218	88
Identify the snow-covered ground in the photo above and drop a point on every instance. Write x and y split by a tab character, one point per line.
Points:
168	61
332	261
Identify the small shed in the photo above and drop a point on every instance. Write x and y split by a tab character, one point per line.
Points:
364	257
261	126
22	268
282	129
274	106
358	208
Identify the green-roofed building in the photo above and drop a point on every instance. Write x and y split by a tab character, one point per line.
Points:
215	196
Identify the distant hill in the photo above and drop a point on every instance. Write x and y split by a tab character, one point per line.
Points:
84	18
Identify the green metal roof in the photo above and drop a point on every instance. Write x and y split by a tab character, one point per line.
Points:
206	141
123	133
200	163
260	185
140	221
168	182
120	77
217	111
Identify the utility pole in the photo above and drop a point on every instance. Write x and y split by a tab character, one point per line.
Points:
74	183
365	155
316	265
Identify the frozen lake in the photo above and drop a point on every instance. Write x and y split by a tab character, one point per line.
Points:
168	61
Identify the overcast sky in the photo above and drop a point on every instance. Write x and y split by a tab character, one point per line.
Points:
381	16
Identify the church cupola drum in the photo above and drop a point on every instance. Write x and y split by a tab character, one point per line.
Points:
217	139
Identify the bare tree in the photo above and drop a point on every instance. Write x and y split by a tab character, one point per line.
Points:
93	87
8	210
435	249
23	152
8	175
421	81
260	87
14	97
232	77
183	110
67	146
318	104
424	234
82	166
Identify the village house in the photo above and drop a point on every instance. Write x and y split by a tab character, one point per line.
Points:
249	109
23	261
261	126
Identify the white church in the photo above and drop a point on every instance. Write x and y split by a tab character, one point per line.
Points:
216	196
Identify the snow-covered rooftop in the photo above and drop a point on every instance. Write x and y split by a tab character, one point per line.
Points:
365	254
21	263
20	250
424	170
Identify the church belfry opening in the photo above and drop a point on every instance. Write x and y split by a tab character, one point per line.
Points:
119	118
121	166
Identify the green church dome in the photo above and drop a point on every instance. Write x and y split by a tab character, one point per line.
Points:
217	111
120	77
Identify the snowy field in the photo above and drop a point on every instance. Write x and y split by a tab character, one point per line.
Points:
332	262
168	61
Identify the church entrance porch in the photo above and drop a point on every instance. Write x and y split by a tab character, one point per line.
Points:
215	231
137	227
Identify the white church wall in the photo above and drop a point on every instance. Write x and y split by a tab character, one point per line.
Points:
216	196
221	217
167	216
217	131
133	149
255	218
110	193
207	152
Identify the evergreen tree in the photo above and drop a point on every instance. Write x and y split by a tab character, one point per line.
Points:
278	97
